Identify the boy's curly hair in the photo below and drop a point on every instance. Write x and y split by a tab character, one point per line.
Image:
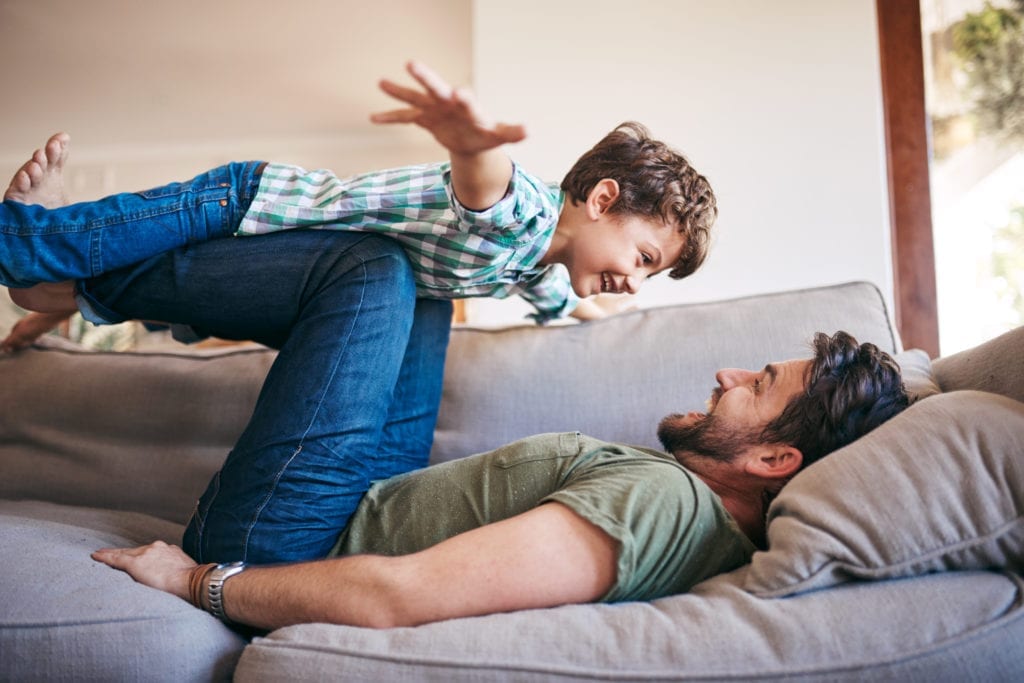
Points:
654	182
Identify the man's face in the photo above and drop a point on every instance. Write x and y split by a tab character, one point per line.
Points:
740	407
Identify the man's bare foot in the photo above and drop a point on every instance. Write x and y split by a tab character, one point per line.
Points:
41	179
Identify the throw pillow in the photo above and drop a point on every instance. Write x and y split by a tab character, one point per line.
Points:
938	487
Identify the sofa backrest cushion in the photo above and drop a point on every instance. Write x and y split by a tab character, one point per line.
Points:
938	487
614	378
143	432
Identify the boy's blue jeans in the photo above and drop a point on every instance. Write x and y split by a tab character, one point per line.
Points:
86	239
354	392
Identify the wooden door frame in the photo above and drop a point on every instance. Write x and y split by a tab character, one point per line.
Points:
906	141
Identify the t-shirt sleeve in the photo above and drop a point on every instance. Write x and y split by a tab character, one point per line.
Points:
671	531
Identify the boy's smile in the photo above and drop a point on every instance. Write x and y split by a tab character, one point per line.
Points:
618	253
607	252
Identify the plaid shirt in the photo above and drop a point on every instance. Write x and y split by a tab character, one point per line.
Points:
455	253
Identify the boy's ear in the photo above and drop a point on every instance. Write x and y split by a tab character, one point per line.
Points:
774	461
604	193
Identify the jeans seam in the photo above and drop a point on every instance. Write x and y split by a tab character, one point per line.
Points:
316	413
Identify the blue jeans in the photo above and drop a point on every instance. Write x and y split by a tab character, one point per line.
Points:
87	239
352	396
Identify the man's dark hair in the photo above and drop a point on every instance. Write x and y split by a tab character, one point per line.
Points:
850	389
654	182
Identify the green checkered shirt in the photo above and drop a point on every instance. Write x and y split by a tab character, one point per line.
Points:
455	253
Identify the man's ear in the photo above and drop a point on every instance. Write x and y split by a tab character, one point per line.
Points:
601	197
774	461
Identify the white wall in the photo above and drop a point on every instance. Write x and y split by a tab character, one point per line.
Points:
778	103
155	91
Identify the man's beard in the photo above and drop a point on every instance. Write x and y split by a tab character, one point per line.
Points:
709	436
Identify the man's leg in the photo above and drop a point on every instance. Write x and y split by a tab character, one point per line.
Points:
409	431
42	242
340	306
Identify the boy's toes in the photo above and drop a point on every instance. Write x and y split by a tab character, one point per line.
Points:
35	171
57	150
39	157
20	183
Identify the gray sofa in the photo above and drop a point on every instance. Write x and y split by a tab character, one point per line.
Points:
896	558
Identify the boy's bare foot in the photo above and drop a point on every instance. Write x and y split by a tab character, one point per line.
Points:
28	329
41	179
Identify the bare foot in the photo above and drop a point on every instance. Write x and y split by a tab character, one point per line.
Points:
41	179
30	328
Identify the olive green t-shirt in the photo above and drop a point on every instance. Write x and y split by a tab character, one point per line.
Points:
672	530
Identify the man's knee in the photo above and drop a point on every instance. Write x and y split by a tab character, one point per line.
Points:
375	257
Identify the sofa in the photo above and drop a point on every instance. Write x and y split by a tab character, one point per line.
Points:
899	557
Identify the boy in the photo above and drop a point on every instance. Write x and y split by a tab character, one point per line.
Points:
477	226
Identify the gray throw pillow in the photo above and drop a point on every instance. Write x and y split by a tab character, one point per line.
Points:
938	487
918	375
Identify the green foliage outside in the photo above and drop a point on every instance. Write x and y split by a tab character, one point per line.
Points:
1008	263
990	46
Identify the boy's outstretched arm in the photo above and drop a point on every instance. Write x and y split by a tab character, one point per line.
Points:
480	169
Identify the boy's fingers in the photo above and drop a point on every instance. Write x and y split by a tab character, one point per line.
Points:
510	133
407	95
430	80
396	116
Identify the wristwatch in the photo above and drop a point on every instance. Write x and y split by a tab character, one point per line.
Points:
215	586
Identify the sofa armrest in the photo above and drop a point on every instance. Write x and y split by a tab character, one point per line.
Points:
996	366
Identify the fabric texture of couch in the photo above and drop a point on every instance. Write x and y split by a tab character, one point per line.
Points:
899	557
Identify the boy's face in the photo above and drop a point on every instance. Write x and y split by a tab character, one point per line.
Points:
615	254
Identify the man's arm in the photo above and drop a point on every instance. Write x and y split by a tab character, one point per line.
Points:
545	557
480	169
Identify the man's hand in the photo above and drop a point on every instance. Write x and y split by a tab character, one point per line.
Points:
450	114
157	565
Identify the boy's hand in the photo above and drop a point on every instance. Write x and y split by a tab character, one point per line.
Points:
450	114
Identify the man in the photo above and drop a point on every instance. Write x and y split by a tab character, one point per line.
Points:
559	519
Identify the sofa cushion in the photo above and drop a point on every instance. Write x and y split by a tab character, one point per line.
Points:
614	378
132	431
955	626
67	617
938	487
997	366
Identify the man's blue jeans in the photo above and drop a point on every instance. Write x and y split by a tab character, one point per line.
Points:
352	396
87	239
